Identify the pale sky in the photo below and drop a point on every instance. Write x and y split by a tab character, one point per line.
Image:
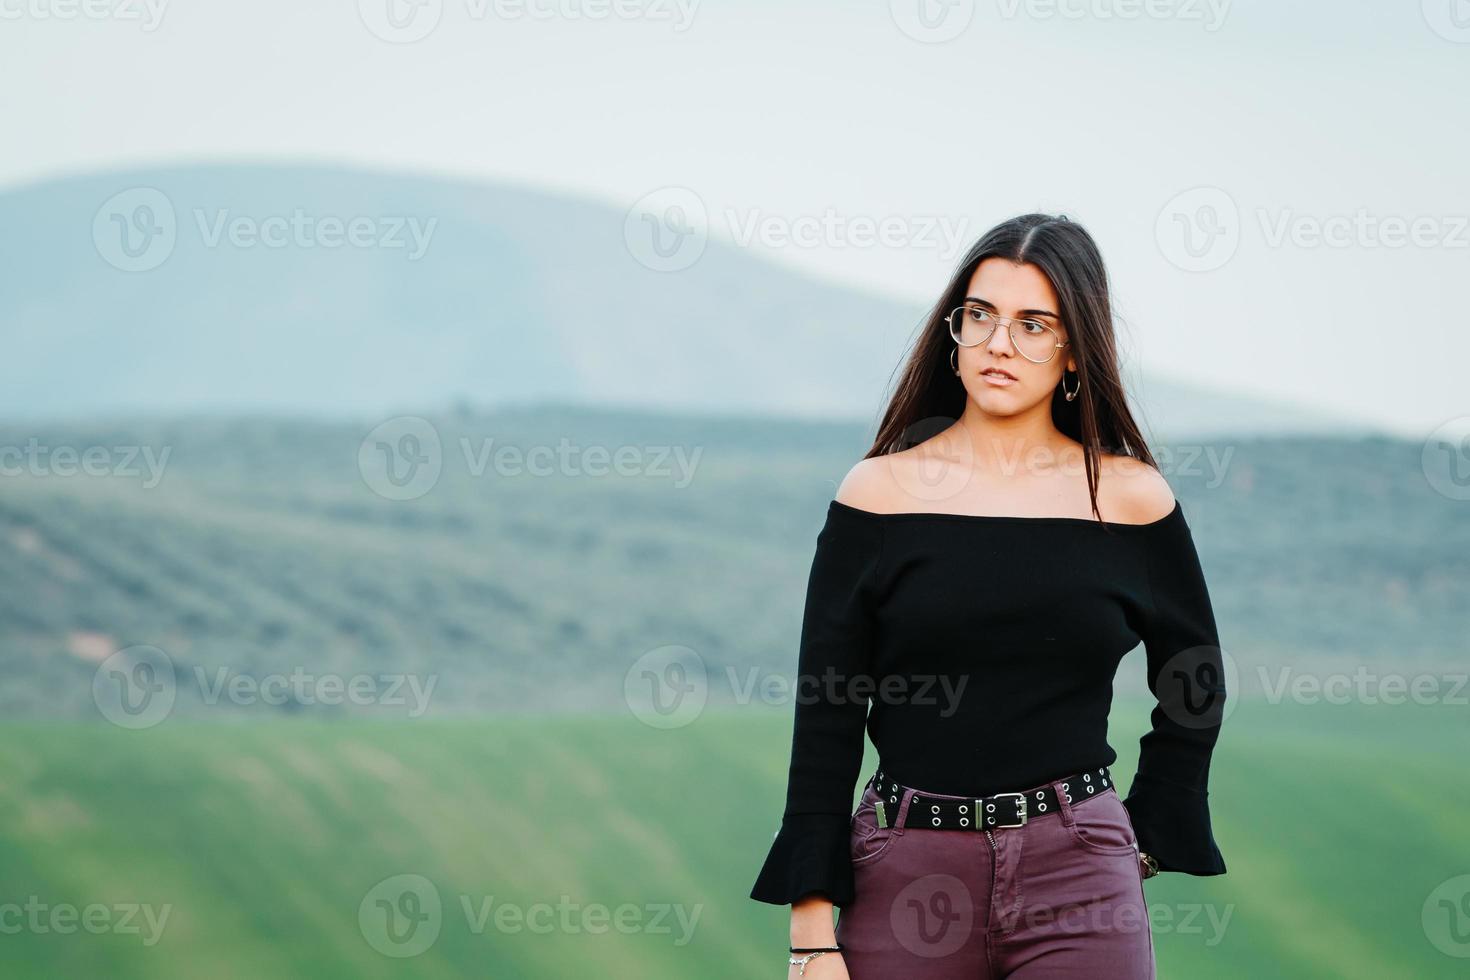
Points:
1280	190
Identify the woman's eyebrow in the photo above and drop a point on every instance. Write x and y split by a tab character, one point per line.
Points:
986	302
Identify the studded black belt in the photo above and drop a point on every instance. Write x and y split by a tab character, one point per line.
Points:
986	812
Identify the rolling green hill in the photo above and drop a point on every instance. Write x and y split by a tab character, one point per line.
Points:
256	549
317	845
263	844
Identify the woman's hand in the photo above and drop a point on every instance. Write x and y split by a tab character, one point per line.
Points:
811	927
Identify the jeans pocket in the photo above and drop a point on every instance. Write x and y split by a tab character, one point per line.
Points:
869	841
1101	825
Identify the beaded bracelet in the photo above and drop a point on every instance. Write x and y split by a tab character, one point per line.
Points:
811	954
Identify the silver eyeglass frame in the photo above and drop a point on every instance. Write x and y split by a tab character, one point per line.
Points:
1010	321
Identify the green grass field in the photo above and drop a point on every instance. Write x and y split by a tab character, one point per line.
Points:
264	840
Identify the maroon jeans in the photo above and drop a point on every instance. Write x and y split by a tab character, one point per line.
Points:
1060	897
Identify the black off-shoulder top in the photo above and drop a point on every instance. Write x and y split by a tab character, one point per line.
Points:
987	647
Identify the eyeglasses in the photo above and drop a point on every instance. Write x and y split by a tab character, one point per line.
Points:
971	326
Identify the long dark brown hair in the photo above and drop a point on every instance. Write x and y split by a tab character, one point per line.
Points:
1098	418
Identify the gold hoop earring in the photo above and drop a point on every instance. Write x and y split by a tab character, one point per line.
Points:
1073	393
953	360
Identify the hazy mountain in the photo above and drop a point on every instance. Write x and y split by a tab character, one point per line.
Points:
241	288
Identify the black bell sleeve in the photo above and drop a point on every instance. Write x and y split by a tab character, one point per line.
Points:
1169	798
811	852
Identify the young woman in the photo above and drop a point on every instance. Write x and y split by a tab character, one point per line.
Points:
980	575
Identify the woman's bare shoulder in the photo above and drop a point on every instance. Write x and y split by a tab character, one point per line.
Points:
871	484
1132	491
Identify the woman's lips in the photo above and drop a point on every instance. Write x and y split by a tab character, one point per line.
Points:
999	380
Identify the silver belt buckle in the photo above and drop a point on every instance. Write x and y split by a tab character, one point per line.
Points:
1020	807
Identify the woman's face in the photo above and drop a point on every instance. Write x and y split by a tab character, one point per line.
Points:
1004	288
